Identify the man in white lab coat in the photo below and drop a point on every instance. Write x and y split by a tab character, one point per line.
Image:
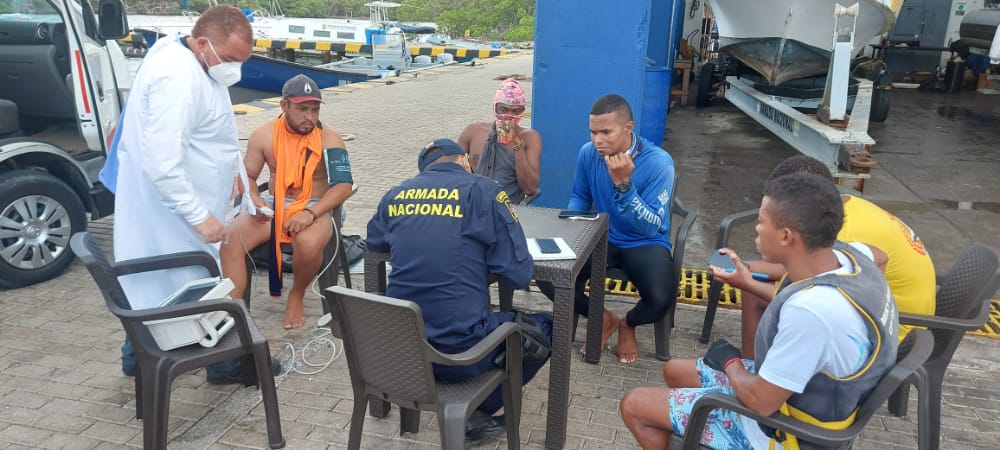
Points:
177	154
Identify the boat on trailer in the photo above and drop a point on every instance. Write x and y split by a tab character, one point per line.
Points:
794	47
788	39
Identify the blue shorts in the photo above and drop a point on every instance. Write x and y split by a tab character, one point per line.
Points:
724	429
288	201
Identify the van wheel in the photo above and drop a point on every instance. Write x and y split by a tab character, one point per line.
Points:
38	215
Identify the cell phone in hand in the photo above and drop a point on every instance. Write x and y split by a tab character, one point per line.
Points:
570	213
546	245
722	261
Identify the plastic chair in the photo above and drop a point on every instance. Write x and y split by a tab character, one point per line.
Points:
715	288
530	198
722	240
963	304
662	327
919	345
334	248
155	368
389	359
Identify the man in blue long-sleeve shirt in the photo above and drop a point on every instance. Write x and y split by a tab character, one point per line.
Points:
629	178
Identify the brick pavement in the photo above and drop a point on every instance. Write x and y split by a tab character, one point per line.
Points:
61	386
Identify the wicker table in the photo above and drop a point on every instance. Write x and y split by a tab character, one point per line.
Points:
587	238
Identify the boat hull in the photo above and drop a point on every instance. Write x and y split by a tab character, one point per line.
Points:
267	74
789	39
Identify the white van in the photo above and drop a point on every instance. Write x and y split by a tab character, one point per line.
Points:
62	83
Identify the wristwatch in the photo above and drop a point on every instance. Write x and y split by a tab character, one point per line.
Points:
622	188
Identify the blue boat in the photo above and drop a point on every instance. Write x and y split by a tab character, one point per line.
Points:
268	74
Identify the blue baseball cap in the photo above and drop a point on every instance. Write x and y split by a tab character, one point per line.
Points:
436	149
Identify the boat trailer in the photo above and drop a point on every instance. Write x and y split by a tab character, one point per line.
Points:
830	135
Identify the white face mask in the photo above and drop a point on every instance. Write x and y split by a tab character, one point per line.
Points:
225	73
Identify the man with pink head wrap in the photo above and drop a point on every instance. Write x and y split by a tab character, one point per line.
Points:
503	150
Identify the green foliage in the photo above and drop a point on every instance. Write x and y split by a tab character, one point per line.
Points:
493	19
511	20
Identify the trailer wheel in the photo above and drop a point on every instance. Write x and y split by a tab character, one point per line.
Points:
706	78
38	215
880	99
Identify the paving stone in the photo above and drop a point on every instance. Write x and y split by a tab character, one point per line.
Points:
109	432
64	423
203	397
27	399
328	435
108	396
244	439
34	371
66	441
24	435
20	415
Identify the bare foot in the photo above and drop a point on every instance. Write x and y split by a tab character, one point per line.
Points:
610	325
294	312
627	347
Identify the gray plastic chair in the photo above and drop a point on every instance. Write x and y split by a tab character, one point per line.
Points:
963	304
919	344
155	368
389	359
715	288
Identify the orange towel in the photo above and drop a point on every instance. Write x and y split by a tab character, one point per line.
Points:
296	157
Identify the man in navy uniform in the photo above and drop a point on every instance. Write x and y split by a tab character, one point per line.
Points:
449	231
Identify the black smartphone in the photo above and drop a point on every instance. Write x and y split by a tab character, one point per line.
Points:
722	261
547	245
567	213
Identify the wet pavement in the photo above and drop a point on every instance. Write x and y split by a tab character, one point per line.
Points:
938	155
61	386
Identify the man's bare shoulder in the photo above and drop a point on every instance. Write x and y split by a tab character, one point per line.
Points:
477	128
263	134
332	139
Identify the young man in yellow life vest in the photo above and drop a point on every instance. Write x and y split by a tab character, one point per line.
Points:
293	146
898	251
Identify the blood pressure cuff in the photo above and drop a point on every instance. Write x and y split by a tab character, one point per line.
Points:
338	166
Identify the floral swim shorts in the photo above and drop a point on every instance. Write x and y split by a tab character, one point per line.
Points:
724	429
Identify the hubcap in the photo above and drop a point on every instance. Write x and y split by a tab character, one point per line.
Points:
34	232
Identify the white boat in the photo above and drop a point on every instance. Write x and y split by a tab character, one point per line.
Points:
390	57
788	39
272	24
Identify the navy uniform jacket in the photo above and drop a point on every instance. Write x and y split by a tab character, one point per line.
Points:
447	230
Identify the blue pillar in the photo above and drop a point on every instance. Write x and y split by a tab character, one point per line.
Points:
583	50
659	31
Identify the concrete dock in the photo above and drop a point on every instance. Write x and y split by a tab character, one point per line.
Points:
61	384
